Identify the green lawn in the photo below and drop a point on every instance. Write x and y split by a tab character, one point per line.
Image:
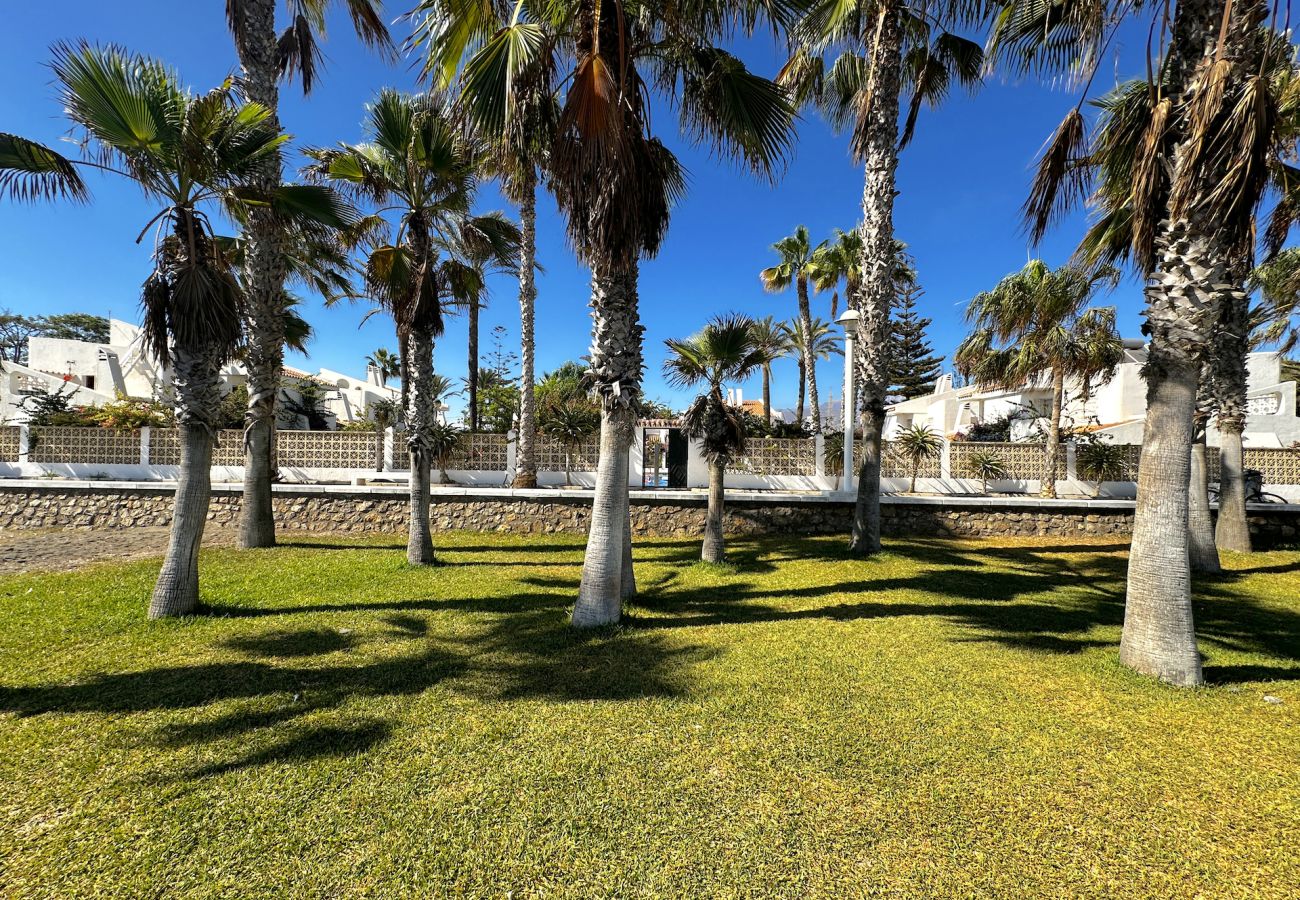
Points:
949	720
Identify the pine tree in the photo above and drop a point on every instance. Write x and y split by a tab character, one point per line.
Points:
913	367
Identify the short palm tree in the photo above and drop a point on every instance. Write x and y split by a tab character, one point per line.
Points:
724	351
268	54
986	465
421	167
189	154
1037	323
918	443
823	345
797	253
386	364
614	180
570	422
1099	462
772	338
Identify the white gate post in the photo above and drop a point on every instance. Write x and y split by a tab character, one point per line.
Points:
945	460
390	439
145	434
819	454
24	442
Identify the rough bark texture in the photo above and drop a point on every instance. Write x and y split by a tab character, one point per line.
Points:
1229	382
1052	448
715	542
803	388
767	395
526	452
809	358
197	382
420	418
616	365
264	275
879	150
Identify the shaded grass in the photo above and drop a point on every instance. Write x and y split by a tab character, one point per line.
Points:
945	720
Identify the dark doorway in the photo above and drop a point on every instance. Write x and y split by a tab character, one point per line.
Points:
678	451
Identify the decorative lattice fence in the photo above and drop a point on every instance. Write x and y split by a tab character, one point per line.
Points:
10	443
777	456
165	447
894	463
478	452
1023	462
96	446
550	452
1279	465
325	449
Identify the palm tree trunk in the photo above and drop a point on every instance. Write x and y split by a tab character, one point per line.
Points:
916	465
1202	555
472	379
1229	375
526	454
767	394
715	549
264	274
419	420
627	586
197	382
1053	445
803	386
875	294
616	364
809	357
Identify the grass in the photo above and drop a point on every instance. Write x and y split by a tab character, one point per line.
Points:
948	720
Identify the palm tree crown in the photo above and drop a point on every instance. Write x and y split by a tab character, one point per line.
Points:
724	351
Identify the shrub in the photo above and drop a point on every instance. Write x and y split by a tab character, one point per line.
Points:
986	465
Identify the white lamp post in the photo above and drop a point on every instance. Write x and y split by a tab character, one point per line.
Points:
849	319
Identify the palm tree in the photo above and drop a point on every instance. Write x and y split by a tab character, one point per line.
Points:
823	345
188	153
570	422
836	260
772	338
986	465
724	351
884	51
521	120
386	364
418	165
1037	323
615	181
265	56
918	443
1191	200
796	267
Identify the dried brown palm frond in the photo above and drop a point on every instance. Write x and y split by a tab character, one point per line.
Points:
1061	179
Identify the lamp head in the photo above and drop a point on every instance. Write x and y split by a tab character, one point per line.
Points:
849	320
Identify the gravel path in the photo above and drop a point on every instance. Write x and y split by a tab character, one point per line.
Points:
61	551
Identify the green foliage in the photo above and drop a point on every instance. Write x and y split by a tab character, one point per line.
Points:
444	440
305	407
724	351
17	330
918	444
234	408
913	366
986	465
330	685
128	413
1101	461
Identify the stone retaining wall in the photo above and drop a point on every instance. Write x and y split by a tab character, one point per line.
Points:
363	510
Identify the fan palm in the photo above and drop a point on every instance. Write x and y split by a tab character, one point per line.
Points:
918	443
187	153
796	267
614	180
772	339
386	364
822	345
839	259
1191	198
724	351
266	55
1037	323
420	167
886	53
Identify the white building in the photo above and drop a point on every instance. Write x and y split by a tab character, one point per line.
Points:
93	374
1116	409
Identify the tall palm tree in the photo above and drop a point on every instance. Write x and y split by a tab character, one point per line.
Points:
1037	323
386	364
616	182
823	344
773	340
796	267
188	154
521	121
1192	197
724	351
419	166
266	55
887	53
839	259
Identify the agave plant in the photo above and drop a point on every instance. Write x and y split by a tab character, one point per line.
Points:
986	465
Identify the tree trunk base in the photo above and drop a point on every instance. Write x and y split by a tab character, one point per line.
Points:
525	479
257	515
176	592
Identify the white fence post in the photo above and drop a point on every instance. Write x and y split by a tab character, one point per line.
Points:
819	454
512	446
390	438
945	460
145	434
24	442
1071	462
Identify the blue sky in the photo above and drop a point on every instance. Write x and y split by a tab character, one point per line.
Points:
961	184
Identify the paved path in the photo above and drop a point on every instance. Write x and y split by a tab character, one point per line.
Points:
60	551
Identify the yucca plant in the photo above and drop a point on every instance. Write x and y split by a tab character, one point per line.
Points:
1100	461
442	441
986	465
190	155
724	351
918	443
